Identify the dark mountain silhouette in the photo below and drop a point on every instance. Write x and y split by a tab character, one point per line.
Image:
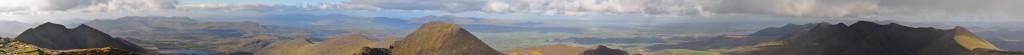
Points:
868	38
439	38
602	50
788	28
58	37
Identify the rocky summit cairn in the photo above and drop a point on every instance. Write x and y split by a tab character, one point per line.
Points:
439	38
58	37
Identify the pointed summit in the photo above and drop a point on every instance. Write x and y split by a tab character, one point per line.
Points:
84	27
50	25
439	38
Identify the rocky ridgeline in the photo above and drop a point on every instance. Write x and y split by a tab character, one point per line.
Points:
869	38
50	38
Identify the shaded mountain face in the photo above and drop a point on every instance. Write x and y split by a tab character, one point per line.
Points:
56	36
788	28
602	50
868	38
439	38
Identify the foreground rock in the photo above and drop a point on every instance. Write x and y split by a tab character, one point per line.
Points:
438	38
12	47
57	37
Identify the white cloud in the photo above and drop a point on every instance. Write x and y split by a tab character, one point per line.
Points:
273	7
30	7
703	8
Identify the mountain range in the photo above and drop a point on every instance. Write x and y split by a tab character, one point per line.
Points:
56	36
869	38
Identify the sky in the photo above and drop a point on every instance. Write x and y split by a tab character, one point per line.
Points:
79	11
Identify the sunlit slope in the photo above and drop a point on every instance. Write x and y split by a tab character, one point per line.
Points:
347	45
438	38
970	41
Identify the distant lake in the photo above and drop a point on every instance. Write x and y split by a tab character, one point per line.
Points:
197	52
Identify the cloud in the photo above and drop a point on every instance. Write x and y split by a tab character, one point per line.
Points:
808	8
273	7
793	8
53	6
800	8
543	7
701	8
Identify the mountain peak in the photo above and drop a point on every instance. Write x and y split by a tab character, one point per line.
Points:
440	38
50	25
865	24
83	26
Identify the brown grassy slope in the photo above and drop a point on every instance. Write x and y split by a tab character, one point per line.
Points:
347	45
553	49
439	38
285	47
970	41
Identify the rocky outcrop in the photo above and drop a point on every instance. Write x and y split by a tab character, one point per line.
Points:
439	38
868	38
375	51
20	48
58	37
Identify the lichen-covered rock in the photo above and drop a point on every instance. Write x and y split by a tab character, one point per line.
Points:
20	48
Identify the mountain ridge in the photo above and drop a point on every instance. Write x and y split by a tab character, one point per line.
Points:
869	38
56	36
